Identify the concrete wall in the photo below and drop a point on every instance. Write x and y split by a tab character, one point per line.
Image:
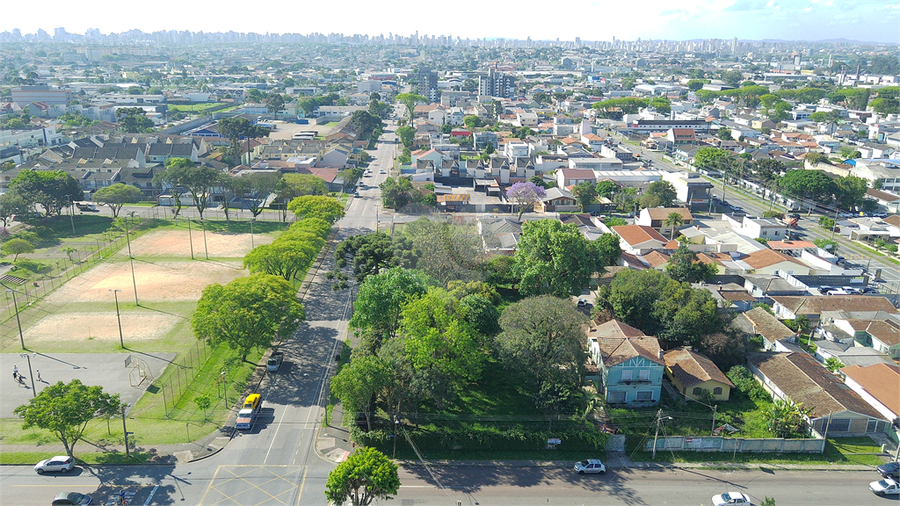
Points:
721	444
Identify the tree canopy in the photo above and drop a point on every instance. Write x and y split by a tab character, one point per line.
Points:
808	184
366	475
53	190
541	344
684	266
555	259
525	195
382	296
248	312
116	196
317	206
660	306
65	409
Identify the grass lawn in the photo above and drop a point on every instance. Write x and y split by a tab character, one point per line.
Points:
193	107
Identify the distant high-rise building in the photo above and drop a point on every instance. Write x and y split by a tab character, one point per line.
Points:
428	87
734	45
497	84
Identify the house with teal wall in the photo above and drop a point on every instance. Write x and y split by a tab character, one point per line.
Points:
631	369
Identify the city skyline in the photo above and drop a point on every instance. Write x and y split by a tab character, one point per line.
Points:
789	20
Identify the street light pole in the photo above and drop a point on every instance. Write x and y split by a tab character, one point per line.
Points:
30	374
18	322
118	317
224	388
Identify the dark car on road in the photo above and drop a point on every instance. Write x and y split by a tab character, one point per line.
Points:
890	470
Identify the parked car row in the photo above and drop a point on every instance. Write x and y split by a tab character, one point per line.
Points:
846	290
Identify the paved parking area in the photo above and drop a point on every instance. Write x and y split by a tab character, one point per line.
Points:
107	370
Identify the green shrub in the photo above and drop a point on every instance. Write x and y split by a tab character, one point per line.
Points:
28	235
478	437
747	384
33	266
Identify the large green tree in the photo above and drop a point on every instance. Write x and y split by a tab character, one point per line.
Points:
684	266
438	338
286	259
255	189
660	306
813	184
851	191
399	193
249	312
554	259
541	343
64	409
53	190
17	246
446	251
659	193
134	120
11	204
372	253
366	475
381	298
236	128
275	104
358	383
713	159
409	100
116	196
325	208
585	194
174	179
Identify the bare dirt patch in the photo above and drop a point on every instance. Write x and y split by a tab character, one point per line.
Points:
101	327
176	243
156	281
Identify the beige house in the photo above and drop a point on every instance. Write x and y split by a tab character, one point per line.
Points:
692	373
767	261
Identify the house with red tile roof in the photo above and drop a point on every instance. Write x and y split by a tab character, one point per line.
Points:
639	239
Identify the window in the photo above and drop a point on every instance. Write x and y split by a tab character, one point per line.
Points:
627	375
615	396
838	425
697	391
646	395
644	374
717	391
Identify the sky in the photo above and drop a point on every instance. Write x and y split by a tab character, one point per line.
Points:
863	20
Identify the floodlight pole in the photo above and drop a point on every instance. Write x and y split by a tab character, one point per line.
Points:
18	322
118	317
30	373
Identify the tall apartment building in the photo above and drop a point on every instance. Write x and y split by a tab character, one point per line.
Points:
496	84
428	86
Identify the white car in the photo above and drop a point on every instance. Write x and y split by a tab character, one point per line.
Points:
730	498
590	466
59	464
884	487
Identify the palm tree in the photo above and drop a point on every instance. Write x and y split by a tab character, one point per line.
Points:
673	220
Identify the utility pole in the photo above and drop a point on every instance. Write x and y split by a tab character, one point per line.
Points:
714	419
659	419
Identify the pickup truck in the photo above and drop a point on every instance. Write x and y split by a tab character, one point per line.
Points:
91	208
274	362
247	414
884	487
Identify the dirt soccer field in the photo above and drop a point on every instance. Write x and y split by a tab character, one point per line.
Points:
83	309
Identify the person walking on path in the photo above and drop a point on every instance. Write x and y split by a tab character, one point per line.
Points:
38	375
